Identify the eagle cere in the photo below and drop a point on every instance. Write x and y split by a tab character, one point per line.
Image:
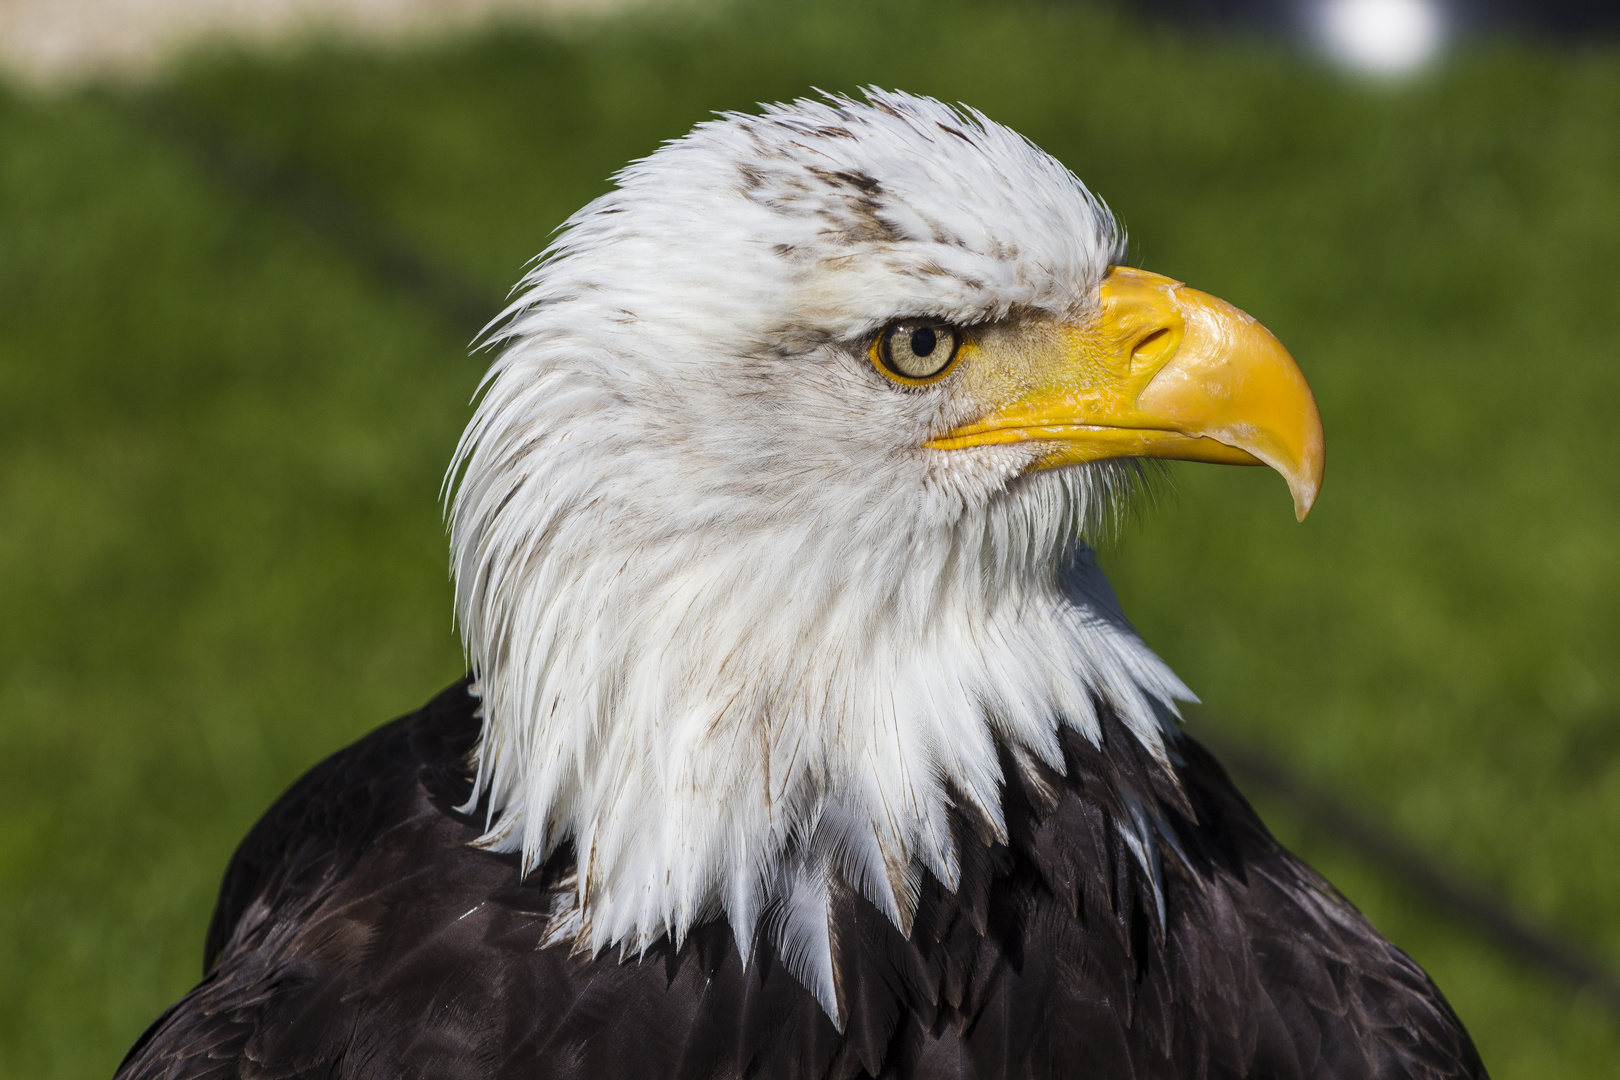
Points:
801	719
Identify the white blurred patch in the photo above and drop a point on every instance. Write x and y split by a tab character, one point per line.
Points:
1382	37
61	42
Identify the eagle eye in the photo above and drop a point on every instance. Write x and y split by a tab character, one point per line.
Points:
916	350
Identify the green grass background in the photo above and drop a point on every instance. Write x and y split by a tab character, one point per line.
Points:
221	443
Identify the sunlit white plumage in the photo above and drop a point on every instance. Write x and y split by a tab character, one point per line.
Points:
738	634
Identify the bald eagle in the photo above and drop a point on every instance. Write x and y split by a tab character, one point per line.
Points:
803	735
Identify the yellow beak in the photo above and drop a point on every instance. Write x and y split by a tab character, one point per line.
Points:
1161	371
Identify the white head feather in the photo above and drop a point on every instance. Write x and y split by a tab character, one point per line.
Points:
737	632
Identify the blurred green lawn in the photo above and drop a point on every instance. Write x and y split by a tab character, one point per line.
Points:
221	555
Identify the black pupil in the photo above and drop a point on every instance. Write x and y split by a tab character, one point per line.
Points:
923	340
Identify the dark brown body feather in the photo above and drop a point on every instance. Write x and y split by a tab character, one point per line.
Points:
358	934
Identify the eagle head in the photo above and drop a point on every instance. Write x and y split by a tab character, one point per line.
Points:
770	525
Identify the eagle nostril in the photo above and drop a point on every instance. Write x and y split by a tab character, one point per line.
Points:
1152	348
